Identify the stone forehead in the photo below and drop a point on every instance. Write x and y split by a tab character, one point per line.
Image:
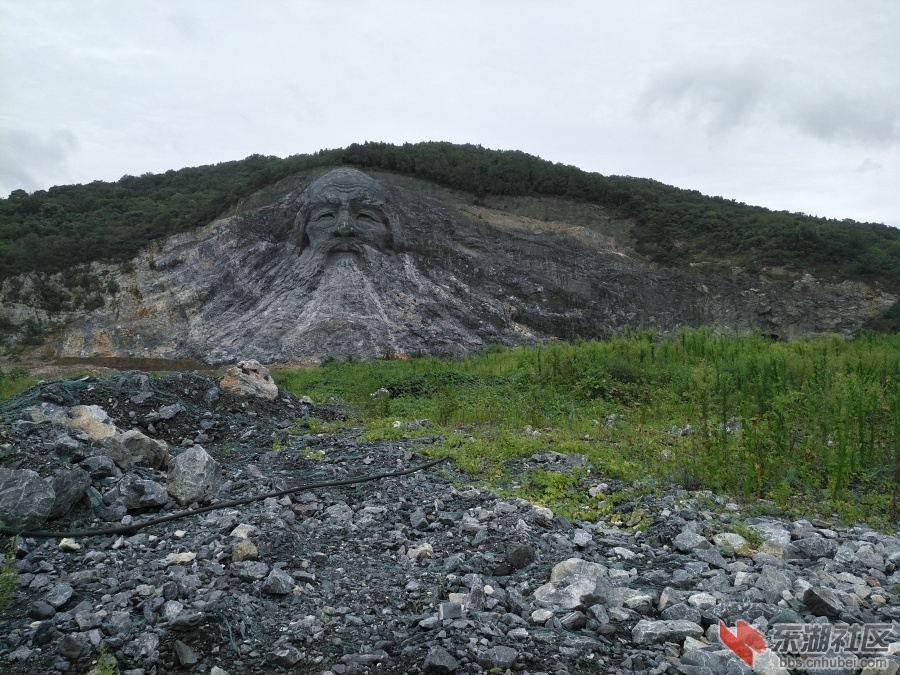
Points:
341	182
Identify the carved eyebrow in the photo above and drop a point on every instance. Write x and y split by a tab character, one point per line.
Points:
325	200
364	201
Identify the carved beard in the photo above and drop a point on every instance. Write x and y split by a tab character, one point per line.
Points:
340	311
298	309
315	266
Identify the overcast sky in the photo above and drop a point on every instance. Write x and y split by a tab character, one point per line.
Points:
788	105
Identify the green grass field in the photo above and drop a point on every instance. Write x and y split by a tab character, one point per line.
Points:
14	382
811	425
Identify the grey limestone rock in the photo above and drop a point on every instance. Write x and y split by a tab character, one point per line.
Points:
703	659
450	610
688	541
117	452
574	584
249	378
519	555
26	499
69	484
582	538
168	412
144	450
41	609
711	557
681	611
573	620
101	466
822	601
869	557
73	645
285	656
817	547
186	656
648	631
350	263
439	661
773	582
250	570
133	492
572	595
278	582
194	476
497	657
417	519
58	595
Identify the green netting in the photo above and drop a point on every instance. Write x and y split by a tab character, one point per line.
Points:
186	389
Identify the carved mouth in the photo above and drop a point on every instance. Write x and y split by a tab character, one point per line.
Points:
345	247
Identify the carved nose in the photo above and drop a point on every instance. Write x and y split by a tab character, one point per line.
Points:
345	224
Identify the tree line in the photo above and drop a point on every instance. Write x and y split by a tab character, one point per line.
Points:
51	230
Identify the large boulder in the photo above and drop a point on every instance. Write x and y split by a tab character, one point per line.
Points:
134	492
45	412
118	453
145	450
26	499
69	485
572	584
249	378
194	476
648	631
92	420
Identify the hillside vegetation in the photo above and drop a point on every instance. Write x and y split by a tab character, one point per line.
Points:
49	231
811	425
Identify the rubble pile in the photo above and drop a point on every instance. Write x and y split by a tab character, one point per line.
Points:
421	573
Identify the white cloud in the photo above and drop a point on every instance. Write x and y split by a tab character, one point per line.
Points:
868	165
28	158
701	94
724	97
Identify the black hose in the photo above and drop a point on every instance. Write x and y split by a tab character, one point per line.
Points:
134	527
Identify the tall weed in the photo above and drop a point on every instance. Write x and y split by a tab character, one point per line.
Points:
814	421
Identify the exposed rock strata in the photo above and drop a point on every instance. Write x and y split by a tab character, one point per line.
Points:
432	274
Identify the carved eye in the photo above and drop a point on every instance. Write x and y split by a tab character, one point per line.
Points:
370	217
322	216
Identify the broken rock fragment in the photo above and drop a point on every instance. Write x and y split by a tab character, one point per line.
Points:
249	378
92	420
69	485
145	450
26	499
134	492
194	476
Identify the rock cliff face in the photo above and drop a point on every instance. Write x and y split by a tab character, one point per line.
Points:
361	265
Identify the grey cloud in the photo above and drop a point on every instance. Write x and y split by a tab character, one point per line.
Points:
30	161
726	96
870	166
828	113
187	26
719	99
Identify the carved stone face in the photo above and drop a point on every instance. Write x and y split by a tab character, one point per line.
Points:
343	214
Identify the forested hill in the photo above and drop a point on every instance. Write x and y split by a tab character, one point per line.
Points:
49	231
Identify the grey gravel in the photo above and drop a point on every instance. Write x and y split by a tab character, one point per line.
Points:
426	573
